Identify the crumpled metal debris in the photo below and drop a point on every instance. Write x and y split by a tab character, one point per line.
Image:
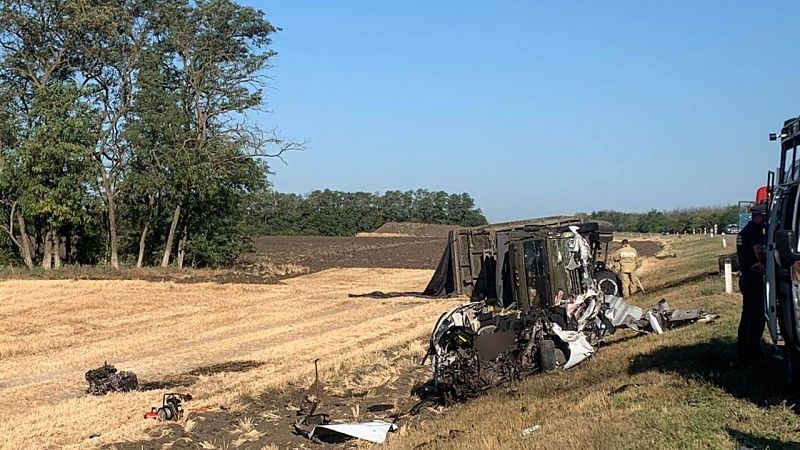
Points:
106	379
474	348
317	426
579	346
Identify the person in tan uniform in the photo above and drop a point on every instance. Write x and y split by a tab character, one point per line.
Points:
627	259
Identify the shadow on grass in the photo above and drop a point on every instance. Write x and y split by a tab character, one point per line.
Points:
714	362
747	441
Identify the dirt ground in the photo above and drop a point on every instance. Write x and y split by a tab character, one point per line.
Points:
273	258
319	253
379	390
416	229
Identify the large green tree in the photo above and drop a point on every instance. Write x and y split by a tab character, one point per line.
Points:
113	35
137	112
42	107
218	52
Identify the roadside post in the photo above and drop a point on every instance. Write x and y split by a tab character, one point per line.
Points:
728	276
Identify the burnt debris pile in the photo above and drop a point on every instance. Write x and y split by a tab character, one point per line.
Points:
107	379
474	348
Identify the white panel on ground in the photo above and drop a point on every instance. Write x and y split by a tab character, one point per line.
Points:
374	431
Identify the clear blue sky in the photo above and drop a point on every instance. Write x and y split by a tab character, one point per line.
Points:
535	108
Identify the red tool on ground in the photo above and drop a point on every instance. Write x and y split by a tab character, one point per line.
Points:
171	407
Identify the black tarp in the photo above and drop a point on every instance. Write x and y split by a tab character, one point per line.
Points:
442	284
491	282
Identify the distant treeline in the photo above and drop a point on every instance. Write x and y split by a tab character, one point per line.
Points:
337	213
674	221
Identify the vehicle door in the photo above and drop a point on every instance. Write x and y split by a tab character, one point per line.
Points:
530	273
791	309
771	267
782	284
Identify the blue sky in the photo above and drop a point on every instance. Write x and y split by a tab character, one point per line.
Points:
534	108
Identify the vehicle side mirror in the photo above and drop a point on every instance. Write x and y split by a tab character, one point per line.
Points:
786	244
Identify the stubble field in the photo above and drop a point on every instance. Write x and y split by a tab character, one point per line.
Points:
178	336
246	351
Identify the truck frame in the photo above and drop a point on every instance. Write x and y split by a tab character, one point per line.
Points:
782	274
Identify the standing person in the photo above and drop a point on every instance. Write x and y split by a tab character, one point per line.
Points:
628	259
750	250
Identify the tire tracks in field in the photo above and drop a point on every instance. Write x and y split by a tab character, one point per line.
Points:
200	344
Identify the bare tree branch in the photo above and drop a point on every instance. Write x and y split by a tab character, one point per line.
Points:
10	228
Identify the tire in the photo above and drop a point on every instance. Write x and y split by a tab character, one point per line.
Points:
547	355
166	413
607	282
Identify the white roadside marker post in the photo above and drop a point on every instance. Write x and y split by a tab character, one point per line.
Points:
724	242
728	276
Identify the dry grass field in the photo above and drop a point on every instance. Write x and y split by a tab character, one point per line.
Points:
56	330
243	351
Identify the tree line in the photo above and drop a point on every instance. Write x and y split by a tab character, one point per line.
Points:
674	221
124	131
336	213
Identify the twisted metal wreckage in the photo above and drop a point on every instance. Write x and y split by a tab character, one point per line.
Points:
542	299
554	316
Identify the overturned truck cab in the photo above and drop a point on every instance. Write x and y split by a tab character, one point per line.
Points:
554	315
477	261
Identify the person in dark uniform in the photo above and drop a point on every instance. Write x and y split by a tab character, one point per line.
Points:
750	250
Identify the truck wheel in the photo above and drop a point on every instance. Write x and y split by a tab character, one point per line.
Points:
607	282
547	355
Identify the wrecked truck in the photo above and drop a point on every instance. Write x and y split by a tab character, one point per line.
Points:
476	261
554	316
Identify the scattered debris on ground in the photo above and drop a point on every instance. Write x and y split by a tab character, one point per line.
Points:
106	379
171	408
286	417
319	428
556	317
474	349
